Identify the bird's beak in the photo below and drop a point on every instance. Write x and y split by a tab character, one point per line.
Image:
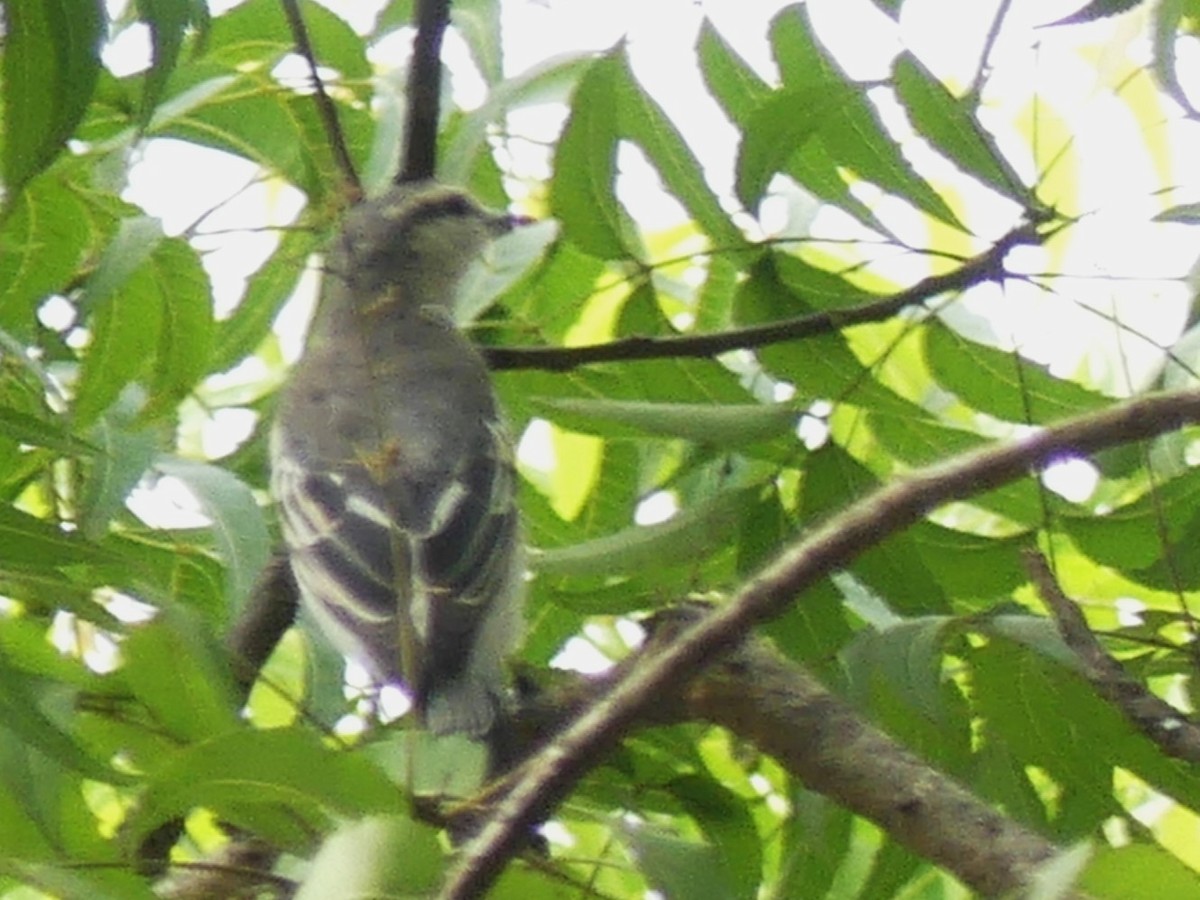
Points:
509	221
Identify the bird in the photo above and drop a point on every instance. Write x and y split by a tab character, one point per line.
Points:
392	466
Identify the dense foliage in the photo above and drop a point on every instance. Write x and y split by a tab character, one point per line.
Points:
863	210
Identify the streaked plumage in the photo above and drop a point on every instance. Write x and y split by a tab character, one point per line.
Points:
392	468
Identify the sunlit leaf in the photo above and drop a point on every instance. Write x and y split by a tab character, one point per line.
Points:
951	127
719	425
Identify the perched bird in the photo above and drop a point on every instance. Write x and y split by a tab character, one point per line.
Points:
393	469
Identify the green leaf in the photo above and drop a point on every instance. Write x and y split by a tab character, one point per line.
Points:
1131	537
238	524
268	289
505	263
1117	872
643	122
478	21
168	21
970	566
258	32
166	570
893	568
32	543
814	628
125	455
240	114
689	535
318	169
728	77
43	239
125	303
41	815
1185	213
727	823
174	669
920	440
582	195
43	432
377	856
64	881
892	867
851	135
547	81
827	369
51	62
282	783
396	14
726	425
554	294
943	120
677	867
777	131
816	839
1097	9
187	329
152	318
26	714
132	247
1003	384
1037	633
817	288
430	765
907	657
1048	716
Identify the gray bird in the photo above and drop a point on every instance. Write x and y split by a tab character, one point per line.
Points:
393	469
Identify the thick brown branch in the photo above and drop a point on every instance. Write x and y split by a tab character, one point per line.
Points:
790	715
325	108
424	92
1174	734
549	775
987	267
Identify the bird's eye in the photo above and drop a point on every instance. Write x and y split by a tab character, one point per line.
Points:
457	205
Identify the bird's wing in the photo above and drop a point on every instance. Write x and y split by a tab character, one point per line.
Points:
380	549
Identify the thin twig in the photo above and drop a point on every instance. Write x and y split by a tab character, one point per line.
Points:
325	108
549	775
987	267
1158	720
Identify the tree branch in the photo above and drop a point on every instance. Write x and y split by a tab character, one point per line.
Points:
424	92
325	108
270	611
986	267
789	715
1158	720
548	776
